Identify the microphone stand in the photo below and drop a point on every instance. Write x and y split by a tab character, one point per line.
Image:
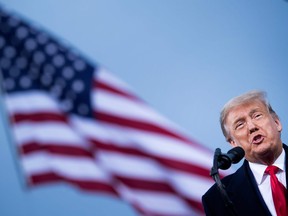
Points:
215	175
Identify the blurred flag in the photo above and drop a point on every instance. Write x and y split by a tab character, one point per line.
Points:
74	122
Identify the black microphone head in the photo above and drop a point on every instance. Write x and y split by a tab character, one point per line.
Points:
233	156
238	153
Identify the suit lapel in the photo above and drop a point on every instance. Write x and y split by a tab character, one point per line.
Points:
244	193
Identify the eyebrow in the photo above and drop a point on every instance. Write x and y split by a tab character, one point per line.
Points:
253	111
250	114
259	109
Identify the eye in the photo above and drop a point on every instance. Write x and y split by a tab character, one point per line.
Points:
239	125
258	115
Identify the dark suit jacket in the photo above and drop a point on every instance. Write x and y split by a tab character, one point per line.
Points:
242	190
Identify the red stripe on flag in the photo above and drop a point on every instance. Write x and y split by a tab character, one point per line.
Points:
183	166
38	117
92	186
136	124
112	89
69	150
148	185
168	162
157	186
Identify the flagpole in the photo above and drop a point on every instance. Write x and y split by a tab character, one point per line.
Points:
10	138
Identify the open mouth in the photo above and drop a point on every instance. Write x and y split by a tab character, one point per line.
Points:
257	139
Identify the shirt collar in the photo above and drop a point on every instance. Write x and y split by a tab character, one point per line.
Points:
259	169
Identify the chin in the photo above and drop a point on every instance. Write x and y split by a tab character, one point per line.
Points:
265	151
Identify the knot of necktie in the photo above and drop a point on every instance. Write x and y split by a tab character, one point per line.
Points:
271	170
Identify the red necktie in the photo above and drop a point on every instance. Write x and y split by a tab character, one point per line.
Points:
278	191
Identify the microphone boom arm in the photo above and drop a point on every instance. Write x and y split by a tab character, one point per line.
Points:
214	173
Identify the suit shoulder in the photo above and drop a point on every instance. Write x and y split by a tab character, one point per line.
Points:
231	179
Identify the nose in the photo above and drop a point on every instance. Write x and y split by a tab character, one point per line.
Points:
252	127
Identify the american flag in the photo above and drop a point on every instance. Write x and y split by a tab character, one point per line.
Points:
72	121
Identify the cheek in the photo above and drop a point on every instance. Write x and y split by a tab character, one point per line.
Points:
273	129
240	136
242	141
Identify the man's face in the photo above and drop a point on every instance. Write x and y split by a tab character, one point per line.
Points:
252	127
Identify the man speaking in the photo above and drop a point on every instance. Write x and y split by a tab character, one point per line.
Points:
258	187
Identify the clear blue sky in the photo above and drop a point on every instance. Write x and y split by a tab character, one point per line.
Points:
185	58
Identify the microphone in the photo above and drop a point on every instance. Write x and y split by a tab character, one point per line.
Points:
234	155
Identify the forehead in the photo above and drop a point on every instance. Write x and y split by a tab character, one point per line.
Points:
245	109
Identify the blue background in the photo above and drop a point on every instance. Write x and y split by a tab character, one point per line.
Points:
185	58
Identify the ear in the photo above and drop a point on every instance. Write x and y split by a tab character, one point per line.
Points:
278	124
232	143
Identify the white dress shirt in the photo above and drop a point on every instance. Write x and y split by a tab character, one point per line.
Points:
263	179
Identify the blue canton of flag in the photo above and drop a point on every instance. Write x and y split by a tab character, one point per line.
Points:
33	60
